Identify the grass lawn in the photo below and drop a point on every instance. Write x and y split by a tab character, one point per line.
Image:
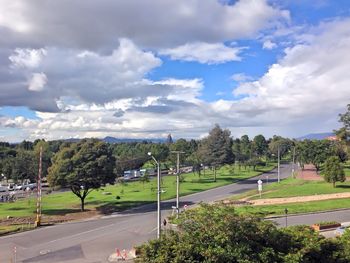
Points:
14	228
296	187
347	169
131	193
294	208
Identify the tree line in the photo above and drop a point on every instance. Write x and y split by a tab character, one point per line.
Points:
90	163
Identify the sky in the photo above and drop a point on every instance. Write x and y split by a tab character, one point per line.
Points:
144	69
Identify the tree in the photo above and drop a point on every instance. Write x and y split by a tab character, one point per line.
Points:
24	166
83	167
217	234
216	149
345	118
260	145
315	152
333	170
169	139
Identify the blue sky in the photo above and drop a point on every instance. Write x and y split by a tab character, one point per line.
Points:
252	66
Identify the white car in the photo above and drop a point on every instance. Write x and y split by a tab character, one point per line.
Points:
11	187
3	188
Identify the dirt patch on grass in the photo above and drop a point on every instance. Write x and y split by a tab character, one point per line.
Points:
54	219
298	199
309	173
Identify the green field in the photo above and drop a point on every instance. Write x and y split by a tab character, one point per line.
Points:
296	187
295	208
130	194
347	169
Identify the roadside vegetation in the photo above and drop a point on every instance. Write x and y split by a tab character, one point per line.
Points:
218	234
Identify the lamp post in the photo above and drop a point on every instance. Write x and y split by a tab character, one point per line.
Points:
278	163
158	195
293	165
177	182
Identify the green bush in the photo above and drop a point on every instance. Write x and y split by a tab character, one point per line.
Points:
215	233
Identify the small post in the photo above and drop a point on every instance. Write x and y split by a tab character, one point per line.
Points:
260	187
14	254
286	213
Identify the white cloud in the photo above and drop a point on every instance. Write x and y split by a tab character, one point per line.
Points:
241	77
80	76
310	84
268	44
205	53
161	23
37	82
27	58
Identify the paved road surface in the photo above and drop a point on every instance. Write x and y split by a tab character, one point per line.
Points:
340	216
94	240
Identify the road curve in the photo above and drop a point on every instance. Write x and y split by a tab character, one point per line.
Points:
92	241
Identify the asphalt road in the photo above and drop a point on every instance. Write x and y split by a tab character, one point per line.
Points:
93	241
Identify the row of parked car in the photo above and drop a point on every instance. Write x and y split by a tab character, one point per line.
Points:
16	187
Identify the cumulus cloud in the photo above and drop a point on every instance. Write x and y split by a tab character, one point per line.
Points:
311	82
268	44
205	53
152	24
83	76
27	58
37	82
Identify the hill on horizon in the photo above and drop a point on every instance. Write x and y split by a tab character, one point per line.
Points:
316	136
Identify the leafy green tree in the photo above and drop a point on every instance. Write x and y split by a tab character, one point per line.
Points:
315	152
217	234
216	149
345	118
24	166
83	167
333	170
260	145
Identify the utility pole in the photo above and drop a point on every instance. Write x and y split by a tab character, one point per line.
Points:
278	163
177	182
38	192
293	170
159	216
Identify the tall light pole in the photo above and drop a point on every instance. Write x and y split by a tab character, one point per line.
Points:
38	202
278	163
293	162
158	195
177	182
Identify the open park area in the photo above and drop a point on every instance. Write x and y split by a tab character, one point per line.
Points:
65	206
298	196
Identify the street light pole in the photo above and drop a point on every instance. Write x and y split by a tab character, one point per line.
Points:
158	196
177	182
278	163
293	170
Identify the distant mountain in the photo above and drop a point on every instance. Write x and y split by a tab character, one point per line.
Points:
316	136
110	139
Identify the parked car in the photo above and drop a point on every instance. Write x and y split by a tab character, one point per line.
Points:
30	186
11	187
3	188
19	187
